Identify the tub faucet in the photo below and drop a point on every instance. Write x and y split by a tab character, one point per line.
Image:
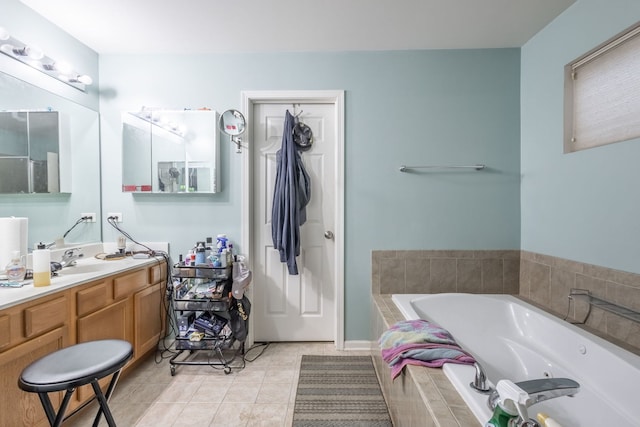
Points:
517	397
479	383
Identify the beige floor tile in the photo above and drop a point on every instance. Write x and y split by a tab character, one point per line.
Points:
232	415
274	393
288	421
196	415
161	414
177	392
144	393
253	375
242	392
268	415
280	374
211	391
261	394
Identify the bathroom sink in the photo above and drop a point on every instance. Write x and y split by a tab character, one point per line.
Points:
87	266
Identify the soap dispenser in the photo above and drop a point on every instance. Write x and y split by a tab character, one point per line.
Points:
15	270
41	258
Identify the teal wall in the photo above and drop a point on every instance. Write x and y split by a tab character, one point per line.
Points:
407	107
403	107
582	206
498	107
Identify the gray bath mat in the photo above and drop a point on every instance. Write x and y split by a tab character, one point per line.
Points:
339	391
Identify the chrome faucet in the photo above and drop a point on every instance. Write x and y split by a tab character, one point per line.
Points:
70	257
520	396
479	383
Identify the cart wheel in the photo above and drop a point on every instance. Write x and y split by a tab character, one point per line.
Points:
173	370
227	370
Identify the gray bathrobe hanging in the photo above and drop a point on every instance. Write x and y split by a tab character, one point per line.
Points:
290	198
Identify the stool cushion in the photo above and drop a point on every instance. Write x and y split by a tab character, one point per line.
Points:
75	365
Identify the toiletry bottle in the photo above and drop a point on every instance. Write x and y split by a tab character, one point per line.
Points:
231	253
200	253
546	421
222	256
221	242
41	259
15	270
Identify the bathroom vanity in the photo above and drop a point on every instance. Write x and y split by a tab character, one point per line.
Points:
95	300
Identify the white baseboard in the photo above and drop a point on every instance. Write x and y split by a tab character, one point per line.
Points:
359	345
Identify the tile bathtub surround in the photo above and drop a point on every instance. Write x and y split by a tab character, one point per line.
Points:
546	281
261	394
426	394
419	397
436	271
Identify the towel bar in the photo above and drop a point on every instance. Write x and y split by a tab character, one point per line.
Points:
405	168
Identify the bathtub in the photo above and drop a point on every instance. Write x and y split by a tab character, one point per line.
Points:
515	340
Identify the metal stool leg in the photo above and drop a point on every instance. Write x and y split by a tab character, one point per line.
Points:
103	400
55	420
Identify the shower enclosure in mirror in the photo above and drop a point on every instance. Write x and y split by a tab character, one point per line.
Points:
170	151
29	152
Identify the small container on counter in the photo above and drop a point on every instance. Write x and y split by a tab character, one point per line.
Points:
41	258
15	270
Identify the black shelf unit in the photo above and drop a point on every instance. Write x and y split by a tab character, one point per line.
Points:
201	298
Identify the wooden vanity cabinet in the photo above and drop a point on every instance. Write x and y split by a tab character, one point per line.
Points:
28	332
126	305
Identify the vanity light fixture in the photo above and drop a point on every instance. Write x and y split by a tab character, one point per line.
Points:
35	58
155	118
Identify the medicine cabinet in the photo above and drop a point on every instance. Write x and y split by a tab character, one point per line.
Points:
29	152
170	151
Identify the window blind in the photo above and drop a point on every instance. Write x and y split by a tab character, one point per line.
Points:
604	91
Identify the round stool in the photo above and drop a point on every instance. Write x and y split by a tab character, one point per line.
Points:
72	367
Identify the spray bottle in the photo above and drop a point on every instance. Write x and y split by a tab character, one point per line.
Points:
509	407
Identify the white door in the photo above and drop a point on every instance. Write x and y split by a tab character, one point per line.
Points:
294	307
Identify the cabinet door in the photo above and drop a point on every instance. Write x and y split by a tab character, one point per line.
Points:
19	408
149	318
108	323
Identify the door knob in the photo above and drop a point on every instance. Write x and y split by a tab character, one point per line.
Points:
328	235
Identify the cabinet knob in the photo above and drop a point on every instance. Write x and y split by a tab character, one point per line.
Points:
328	235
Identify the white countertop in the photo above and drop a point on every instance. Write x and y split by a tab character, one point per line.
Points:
87	269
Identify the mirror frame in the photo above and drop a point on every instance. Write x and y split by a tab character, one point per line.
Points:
233	123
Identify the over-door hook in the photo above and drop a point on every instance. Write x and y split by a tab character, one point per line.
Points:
294	111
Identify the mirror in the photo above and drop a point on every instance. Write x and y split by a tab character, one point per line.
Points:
29	152
51	213
169	151
232	123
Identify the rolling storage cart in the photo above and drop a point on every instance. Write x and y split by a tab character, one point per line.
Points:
201	300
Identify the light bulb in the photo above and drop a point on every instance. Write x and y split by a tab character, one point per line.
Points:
84	79
34	52
63	67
